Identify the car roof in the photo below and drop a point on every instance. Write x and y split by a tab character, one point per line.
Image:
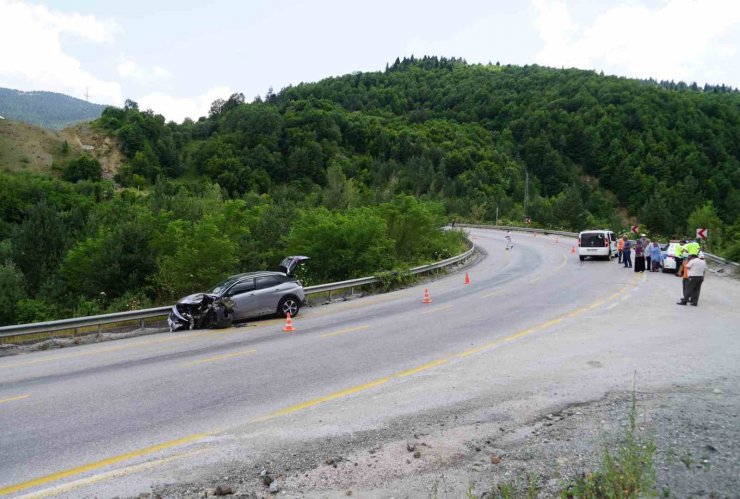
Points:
263	273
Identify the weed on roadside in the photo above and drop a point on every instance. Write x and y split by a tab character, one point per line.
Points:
627	474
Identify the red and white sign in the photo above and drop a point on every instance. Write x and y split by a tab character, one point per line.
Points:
702	233
635	228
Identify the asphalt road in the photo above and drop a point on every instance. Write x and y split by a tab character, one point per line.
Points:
114	418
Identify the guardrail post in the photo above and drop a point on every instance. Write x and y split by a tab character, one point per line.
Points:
141	324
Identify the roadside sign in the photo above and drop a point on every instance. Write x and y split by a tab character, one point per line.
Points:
528	220
635	228
702	233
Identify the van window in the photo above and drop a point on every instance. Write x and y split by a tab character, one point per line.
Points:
593	239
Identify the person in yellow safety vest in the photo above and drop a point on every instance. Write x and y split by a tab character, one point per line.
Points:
693	248
679	257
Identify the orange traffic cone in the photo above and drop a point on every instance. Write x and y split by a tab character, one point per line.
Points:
427	298
467	278
573	250
288	328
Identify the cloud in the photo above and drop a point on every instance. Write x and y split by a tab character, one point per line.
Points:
32	55
679	40
178	108
129	69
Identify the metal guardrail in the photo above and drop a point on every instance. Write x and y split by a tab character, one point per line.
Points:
720	260
150	313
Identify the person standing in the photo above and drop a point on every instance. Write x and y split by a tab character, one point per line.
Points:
509	244
693	248
626	253
679	257
639	256
655	257
695	269
646	249
620	247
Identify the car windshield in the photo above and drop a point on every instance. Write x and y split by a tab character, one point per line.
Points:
222	286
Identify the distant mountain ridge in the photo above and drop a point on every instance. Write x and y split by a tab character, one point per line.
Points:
46	109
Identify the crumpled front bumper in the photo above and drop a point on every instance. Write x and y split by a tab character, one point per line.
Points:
176	321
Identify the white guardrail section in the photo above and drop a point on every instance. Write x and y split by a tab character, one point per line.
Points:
712	258
150	313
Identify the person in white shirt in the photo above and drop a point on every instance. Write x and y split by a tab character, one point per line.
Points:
696	268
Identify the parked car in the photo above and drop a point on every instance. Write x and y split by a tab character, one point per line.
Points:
597	244
669	260
242	296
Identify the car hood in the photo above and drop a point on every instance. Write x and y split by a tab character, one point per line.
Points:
193	299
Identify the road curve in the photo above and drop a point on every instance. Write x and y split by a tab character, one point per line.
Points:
113	418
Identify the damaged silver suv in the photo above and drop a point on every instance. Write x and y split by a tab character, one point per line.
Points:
242	296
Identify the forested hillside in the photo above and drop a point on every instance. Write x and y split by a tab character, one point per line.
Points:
46	109
357	171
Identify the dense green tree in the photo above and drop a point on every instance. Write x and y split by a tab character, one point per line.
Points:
341	245
201	255
82	168
11	292
706	217
38	245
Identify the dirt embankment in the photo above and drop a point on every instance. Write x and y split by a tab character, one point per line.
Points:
25	147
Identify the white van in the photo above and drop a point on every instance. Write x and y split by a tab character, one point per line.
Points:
597	244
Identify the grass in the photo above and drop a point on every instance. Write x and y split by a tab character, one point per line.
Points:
628	473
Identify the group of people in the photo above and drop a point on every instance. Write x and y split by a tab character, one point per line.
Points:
690	264
648	255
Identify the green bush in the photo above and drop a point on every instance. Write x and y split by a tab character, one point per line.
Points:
82	168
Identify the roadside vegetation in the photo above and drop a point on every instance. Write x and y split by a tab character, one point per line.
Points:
83	248
625	473
359	172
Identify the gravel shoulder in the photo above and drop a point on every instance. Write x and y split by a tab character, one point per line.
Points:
448	453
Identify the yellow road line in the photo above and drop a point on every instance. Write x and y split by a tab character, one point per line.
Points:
129	470
438	309
558	269
495	293
281	412
597	304
342	331
218	357
100	464
565	260
326	398
424	367
19	397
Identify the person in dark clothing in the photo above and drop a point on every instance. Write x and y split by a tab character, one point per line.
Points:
627	254
639	257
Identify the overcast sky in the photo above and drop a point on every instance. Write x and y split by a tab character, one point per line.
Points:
177	56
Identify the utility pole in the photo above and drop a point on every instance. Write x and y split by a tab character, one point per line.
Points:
496	214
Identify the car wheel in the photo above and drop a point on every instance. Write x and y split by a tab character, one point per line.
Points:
582	258
288	304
